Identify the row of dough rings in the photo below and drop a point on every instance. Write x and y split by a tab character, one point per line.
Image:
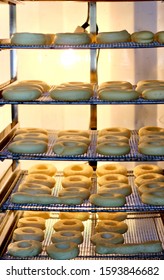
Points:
118	216
34	136
150	186
114	94
111	226
42	179
74	138
76	181
130	248
146	130
25	248
67	236
78	169
83	216
111	169
144	178
107	237
154	148
146	168
33	188
118	131
107	199
113	148
43	168
112	138
153	198
63	250
122	84
28	233
72	224
29	146
112	178
69	148
77	132
32	222
31	130
120	188
74	191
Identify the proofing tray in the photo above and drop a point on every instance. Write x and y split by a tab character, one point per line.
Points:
133	202
141	228
91	154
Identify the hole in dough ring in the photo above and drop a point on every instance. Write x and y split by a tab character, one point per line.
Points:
112	178
76	181
107	237
78	169
67	236
25	248
146	168
63	250
111	169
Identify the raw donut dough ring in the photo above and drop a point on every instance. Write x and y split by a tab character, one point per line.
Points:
33	188
25	248
74	138
37	222
107	200
146	168
76	132
63	93
113	148
67	236
114	94
75	191
159	37
78	215
117	216
21	93
152	148
154	93
34	136
72	224
143	36
31	130
107	237
42	179
112	178
112	138
144	178
63	250
111	226
28	147
108	168
153	198
112	37
76	181
72	38
69	148
119	131
150	130
119	84
120	188
28	233
151	186
43	168
78	169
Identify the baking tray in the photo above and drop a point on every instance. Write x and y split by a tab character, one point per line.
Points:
91	154
133	202
141	228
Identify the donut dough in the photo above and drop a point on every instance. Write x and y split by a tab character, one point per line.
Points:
43	168
112	37
72	38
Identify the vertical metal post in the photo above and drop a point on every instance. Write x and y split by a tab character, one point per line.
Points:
93	64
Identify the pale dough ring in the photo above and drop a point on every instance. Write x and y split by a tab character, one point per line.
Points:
119	84
107	200
149	86
42	179
130	248
111	226
144	178
153	148
34	188
112	138
74	191
76	132
150	82
107	237
67	236
120	131
150	186
108	168
76	181
120	188
63	250
74	138
113	148
37	222
26	38
153	198
28	136
71	94
112	178
146	168
118	94
117	216
159	37
113	37
154	94
31	130
28	147
42	214
39	83
153	137
143	36
150	130
19	93
78	169
43	168
83	216
45	199
72	224
69	148
28	233
72	38
25	248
